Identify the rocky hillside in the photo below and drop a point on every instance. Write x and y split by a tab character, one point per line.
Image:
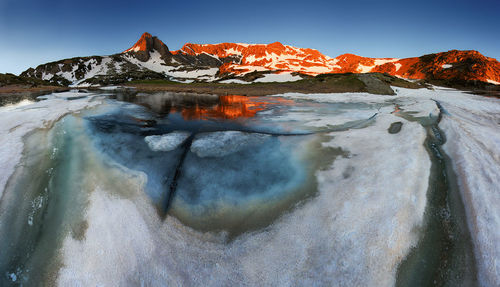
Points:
11	79
16	88
150	58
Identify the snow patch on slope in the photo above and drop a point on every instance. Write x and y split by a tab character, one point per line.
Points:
364	69
234	81
282	77
378	62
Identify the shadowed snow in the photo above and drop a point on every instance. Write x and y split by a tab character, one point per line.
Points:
166	142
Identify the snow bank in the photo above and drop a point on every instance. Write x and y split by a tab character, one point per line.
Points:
20	119
473	143
471	126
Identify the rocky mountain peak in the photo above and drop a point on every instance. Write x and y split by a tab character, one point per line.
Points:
147	44
209	62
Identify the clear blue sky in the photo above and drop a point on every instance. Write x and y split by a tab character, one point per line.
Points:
33	32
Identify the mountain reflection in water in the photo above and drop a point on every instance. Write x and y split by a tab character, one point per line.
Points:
204	107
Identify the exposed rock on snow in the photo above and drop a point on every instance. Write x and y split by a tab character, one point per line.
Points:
395	127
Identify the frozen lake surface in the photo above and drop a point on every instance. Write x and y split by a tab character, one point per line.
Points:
117	188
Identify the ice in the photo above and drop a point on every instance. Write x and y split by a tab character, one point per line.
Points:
219	144
326	116
355	230
473	142
470	124
341	97
17	105
166	142
111	88
353	233
18	120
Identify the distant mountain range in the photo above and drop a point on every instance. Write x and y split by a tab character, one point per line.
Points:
150	58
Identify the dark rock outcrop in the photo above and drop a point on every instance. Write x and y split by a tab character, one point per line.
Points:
395	127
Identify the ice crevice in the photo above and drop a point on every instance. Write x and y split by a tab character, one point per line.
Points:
177	173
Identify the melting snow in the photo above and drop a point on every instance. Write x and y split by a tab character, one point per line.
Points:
166	142
219	144
471	129
19	119
283	77
354	232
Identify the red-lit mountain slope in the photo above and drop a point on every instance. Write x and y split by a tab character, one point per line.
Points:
150	58
463	65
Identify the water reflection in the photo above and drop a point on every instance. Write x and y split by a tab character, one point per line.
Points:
204	107
233	173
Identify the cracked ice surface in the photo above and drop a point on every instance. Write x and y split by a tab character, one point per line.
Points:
354	231
471	126
361	214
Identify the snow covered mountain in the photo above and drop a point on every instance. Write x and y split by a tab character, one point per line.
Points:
150	58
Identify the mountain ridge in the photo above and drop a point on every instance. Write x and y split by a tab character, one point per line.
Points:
150	58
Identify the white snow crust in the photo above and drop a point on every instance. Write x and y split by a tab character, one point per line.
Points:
19	119
353	233
166	142
473	143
